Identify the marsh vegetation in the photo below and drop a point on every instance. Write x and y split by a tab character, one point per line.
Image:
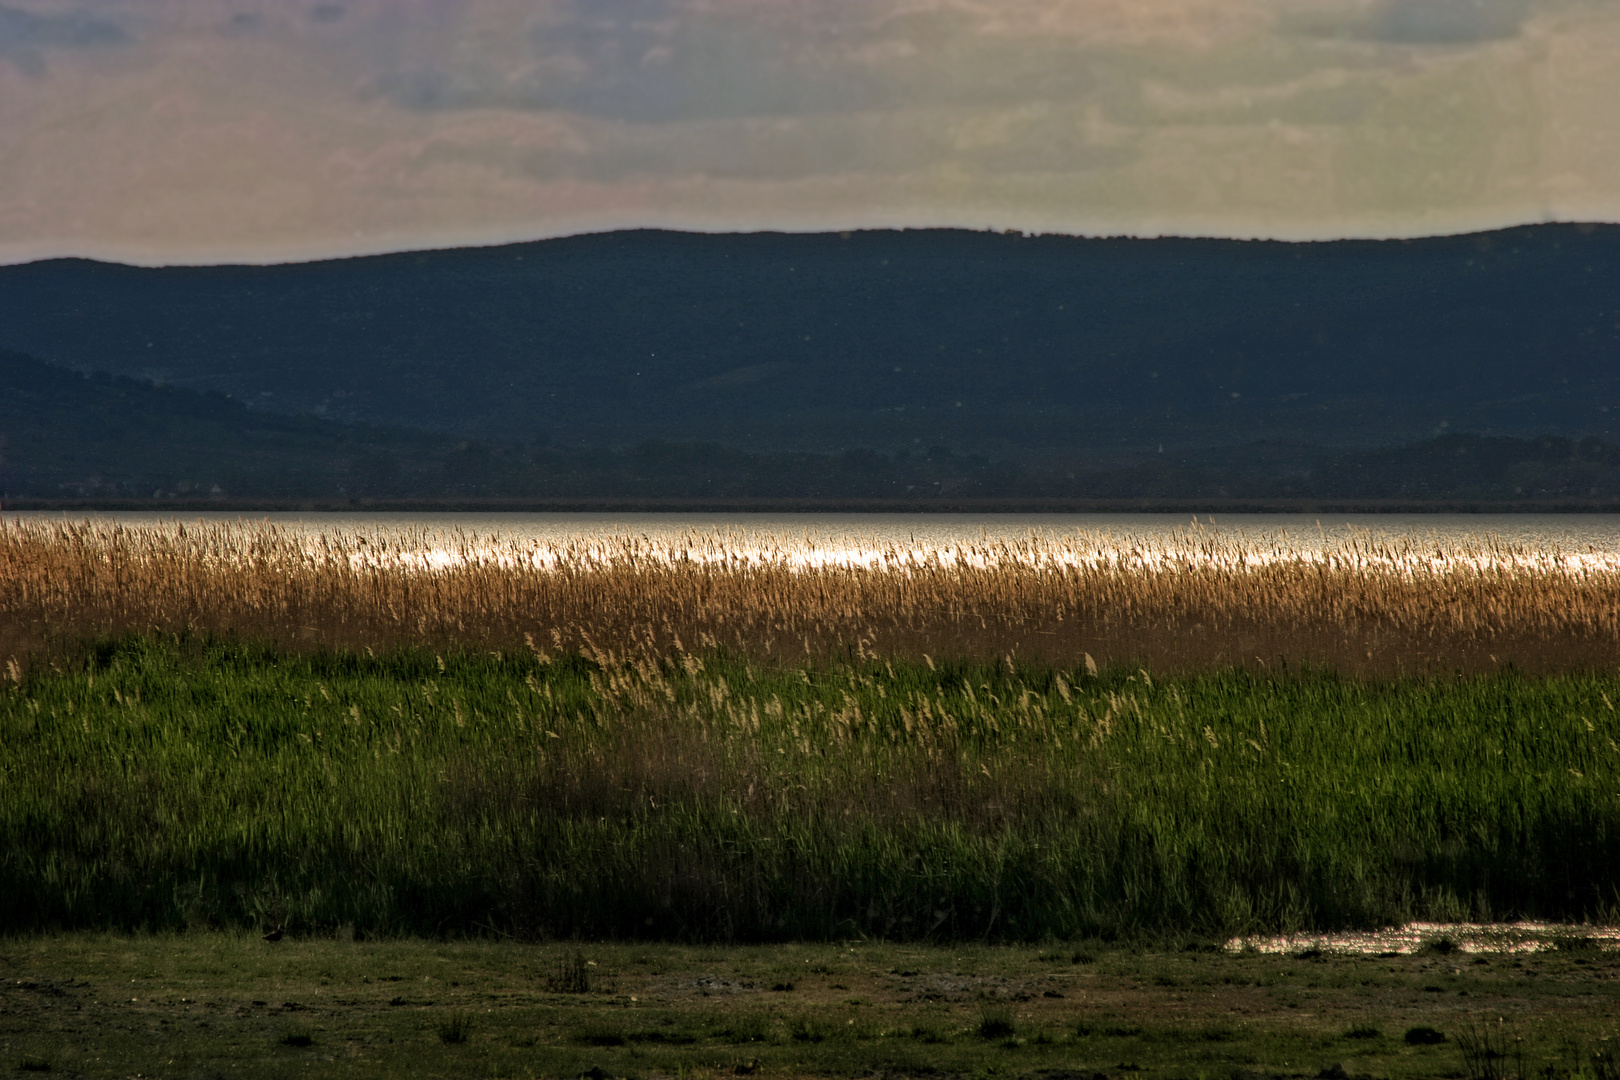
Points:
1201	601
228	725
359	748
159	782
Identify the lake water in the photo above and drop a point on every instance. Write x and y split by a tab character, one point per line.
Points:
1540	531
1519	937
854	537
1583	540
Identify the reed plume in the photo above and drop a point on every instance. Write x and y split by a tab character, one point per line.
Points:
1197	601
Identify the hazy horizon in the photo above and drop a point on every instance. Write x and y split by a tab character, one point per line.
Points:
245	131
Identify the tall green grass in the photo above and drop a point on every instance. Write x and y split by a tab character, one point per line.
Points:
165	782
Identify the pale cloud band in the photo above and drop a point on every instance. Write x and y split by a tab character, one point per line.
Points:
160	131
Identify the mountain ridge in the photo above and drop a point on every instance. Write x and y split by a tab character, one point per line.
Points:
1051	352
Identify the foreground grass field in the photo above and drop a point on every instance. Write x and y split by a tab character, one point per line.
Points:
211	1004
164	783
981	815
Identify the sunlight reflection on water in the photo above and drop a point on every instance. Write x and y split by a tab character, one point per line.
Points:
1518	937
1571	541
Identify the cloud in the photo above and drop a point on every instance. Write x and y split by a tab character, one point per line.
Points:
670	61
268	129
640	61
1448	22
1423	22
26	36
673	62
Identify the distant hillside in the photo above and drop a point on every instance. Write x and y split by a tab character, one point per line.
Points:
1450	468
68	435
1047	351
110	439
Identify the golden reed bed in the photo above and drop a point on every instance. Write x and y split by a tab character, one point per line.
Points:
1199	601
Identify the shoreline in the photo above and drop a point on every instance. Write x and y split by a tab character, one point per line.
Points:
644	505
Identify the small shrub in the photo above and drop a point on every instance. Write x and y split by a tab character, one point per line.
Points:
806	1030
1363	1031
1485	1055
34	1065
299	1039
455	1029
1423	1036
996	1024
572	976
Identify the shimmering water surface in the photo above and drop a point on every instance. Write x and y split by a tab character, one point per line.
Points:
830	534
1518	937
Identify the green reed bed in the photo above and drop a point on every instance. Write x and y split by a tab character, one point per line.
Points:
168	782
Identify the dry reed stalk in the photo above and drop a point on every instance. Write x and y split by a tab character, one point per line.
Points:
1197	602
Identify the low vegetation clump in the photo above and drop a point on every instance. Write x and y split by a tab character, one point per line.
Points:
996	1024
455	1029
171	781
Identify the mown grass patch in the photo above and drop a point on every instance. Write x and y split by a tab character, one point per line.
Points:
210	1003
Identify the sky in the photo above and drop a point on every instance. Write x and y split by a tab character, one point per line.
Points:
206	131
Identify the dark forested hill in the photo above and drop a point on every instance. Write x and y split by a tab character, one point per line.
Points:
65	436
1052	352
68	435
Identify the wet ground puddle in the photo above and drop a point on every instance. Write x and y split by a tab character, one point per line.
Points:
1517	937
